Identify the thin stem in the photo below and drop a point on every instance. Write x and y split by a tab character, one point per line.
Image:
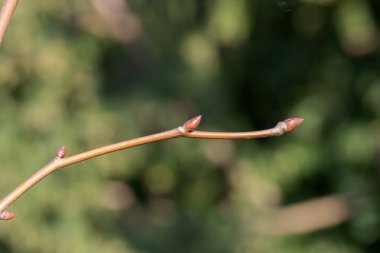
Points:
6	14
186	130
276	131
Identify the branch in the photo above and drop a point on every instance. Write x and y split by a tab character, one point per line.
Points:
308	216
6	13
186	130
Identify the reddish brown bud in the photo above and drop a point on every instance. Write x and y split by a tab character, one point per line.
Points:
5	215
192	124
61	152
292	123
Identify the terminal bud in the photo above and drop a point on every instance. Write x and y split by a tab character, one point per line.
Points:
292	123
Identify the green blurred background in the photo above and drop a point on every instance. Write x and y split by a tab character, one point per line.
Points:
89	73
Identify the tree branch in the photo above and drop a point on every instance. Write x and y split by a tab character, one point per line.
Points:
6	14
186	130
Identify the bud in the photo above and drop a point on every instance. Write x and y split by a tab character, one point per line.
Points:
292	123
192	124
5	215
61	152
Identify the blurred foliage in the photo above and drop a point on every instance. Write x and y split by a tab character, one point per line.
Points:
89	73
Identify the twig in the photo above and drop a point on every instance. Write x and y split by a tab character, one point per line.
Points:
186	130
6	13
306	217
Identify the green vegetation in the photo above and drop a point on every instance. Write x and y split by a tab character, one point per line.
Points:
73	74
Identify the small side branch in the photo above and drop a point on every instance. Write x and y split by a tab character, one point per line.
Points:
186	130
281	128
6	14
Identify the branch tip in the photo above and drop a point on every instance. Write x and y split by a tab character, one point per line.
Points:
61	152
292	123
192	124
5	215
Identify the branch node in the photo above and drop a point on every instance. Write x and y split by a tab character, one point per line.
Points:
182	130
280	128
